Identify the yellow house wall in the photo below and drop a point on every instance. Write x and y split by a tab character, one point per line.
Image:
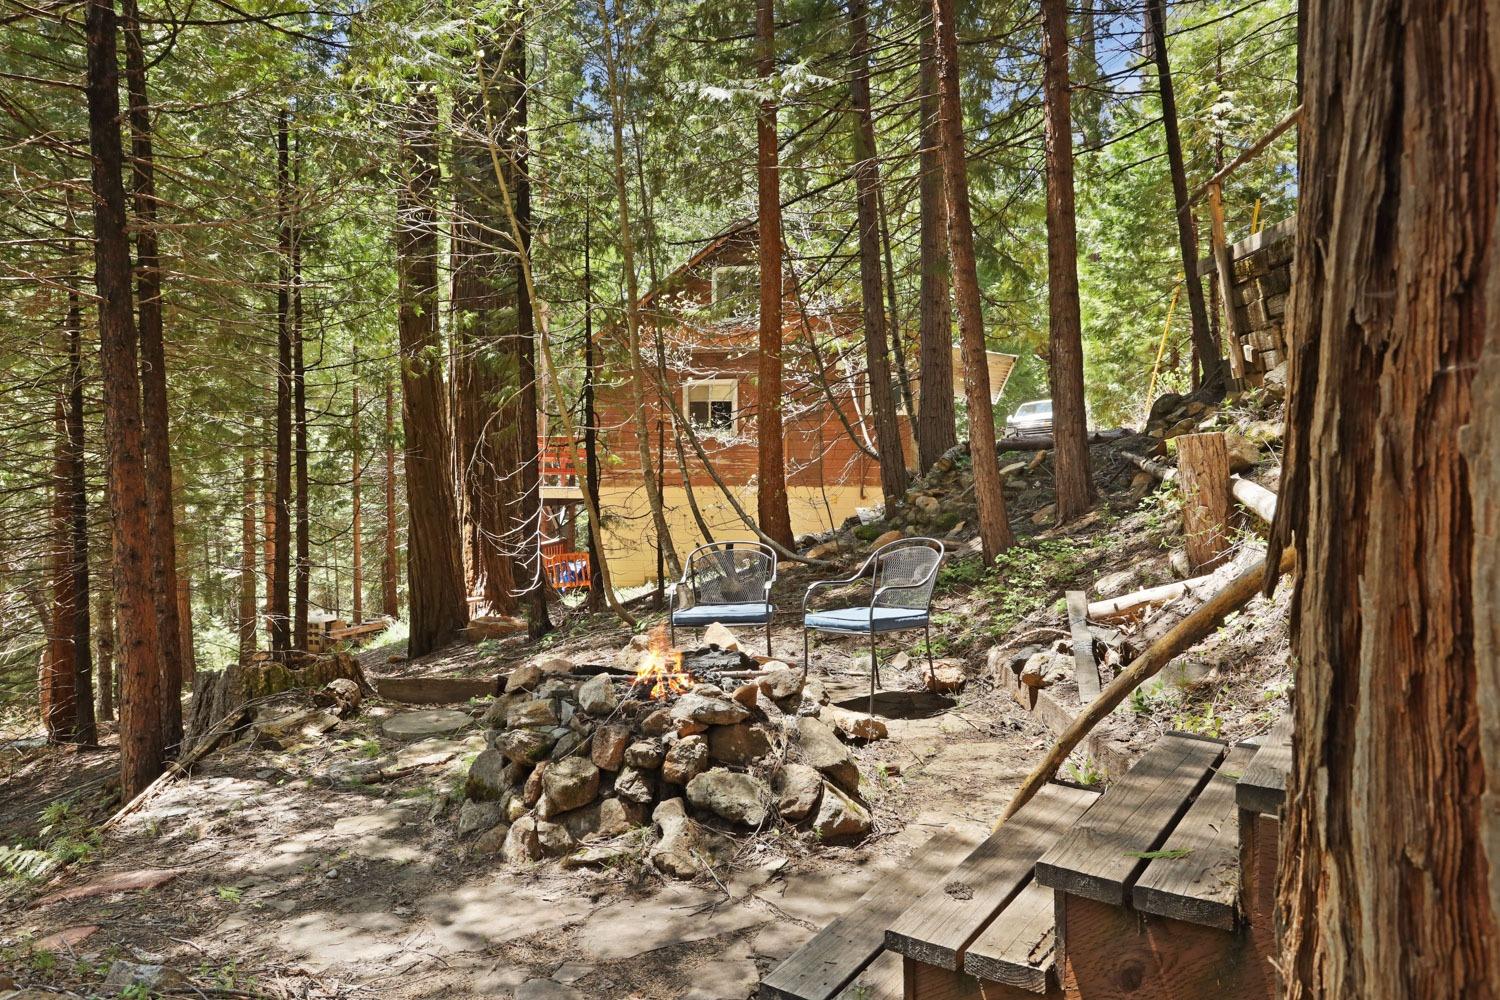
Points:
629	541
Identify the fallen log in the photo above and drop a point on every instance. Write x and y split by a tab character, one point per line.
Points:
1127	605
1184	636
1252	496
1043	442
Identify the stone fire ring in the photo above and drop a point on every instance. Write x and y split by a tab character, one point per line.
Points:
422	725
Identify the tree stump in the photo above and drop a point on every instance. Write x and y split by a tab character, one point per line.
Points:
1203	473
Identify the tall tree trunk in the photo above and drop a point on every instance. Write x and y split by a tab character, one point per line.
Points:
280	611
898	350
248	554
356	528
1070	434
989	493
936	423
1389	856
590	419
141	746
299	419
58	681
390	603
78	502
867	191
153	360
104	650
771	500
1212	366
438	605
639	382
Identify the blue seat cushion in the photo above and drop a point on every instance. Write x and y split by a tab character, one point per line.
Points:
858	619
756	613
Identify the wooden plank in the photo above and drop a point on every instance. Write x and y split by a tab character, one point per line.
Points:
1099	858
882	979
820	969
1262	788
1020	948
434	690
938	927
1084	665
1201	886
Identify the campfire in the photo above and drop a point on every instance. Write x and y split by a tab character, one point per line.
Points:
660	672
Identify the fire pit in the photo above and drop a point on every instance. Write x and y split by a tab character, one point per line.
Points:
666	759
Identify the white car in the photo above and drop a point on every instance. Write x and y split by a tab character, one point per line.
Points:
1030	418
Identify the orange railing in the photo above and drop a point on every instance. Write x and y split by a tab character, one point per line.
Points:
556	456
565	570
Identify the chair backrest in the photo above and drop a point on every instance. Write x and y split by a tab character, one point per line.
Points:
905	572
730	572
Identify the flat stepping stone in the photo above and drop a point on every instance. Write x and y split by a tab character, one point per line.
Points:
423	725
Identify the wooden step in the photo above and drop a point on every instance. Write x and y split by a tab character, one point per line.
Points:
1196	878
1020	949
1106	851
936	930
1262	788
839	953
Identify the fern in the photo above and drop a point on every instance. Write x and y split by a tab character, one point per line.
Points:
25	863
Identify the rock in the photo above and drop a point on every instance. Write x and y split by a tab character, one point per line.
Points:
1045	668
341	696
515	808
798	790
687	727
828	550
1036	461
554	839
635	785
553	665
719	635
569	784
683	842
946	676
706	705
494	715
1178	560
855	726
1013	469
1264	431
521	842
492	841
840	817
926	504
535	712
1045	515
605	818
738	798
894	535
781	681
645	755
527	746
738	745
531	792
421	725
489	777
599	856
123	975
818	747
567	745
597	696
1244	454
524	678
1118	582
685	760
609	746
658	723
747	694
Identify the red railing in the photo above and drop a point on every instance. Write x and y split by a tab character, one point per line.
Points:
565	570
556	455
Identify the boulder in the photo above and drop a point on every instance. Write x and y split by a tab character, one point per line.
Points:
798	790
489	777
738	798
747	694
569	784
527	746
707	706
476	817
840	817
827	550
1046	668
818	747
781	681
605	818
524	678
855	726
738	745
685	760
658	723
597	696
608	750
535	712
1114	583
890	536
945	676
683	842
492	841
644	755
552	665
494	715
567	745
926	505
719	635
1181	566
1244	454
554	839
636	785
521	842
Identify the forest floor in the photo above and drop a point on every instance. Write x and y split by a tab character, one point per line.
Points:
295	873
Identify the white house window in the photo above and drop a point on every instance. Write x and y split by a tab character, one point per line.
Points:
736	289
712	404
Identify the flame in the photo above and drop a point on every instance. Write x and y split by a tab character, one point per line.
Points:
661	668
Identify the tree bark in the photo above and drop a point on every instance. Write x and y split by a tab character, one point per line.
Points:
390	603
771	499
156	439
590	419
1074	479
438	606
989	492
867	192
59	677
356	527
141	745
303	579
280	611
104	650
78	503
1203	466
1211	365
1384	884
936	425
248	555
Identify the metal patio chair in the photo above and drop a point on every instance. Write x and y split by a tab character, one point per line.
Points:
725	582
902	576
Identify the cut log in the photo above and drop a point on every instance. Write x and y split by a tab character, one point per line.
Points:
1203	474
216	696
1188	633
1255	498
1132	604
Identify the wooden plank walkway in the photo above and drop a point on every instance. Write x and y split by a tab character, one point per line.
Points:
1103	854
1019	949
1262	788
1201	885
